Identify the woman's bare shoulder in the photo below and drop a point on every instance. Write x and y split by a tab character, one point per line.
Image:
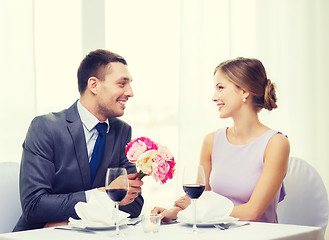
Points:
209	138
279	140
278	148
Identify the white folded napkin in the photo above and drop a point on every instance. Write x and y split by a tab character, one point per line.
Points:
210	207
98	212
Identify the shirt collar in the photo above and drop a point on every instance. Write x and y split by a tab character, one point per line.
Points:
88	119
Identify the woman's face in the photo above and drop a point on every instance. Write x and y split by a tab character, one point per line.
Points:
227	96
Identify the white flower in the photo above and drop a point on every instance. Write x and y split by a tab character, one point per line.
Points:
146	160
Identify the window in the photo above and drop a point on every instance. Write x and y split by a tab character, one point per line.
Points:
148	38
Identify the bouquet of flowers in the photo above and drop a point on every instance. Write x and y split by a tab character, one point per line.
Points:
151	158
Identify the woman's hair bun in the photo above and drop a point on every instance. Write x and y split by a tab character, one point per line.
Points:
270	96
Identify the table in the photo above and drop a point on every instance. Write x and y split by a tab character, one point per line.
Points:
253	231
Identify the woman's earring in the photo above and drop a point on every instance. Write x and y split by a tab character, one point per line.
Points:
244	100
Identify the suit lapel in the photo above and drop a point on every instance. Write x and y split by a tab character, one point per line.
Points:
76	130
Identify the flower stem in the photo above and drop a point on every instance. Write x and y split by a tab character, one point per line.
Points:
140	175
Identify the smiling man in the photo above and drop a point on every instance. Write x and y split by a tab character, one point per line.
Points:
58	167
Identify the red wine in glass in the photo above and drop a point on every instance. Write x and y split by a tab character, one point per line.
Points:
116	187
117	195
194	185
194	191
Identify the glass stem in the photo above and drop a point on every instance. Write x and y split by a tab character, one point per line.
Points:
194	215
117	218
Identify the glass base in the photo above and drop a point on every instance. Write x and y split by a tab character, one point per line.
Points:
117	235
194	230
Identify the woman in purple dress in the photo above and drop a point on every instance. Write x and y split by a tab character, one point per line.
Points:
245	162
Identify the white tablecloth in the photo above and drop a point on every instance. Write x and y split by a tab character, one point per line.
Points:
253	231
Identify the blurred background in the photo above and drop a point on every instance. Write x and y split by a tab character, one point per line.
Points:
172	48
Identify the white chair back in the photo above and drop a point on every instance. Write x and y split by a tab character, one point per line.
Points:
10	206
306	201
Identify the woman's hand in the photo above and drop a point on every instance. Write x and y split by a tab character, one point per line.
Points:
183	202
167	214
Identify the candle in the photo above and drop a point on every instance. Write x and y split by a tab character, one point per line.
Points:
150	227
151	224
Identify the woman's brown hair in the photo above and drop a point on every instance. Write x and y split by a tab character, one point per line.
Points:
249	74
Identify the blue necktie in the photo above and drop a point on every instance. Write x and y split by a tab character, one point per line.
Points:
98	152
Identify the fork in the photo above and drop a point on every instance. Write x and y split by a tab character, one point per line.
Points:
220	227
76	229
228	226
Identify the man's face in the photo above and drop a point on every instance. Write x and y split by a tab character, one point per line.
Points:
114	91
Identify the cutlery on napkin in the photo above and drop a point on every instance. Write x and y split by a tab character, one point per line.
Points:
210	208
98	212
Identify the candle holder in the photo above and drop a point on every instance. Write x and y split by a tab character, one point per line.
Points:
151	223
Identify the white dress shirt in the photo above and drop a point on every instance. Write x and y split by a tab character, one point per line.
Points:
89	121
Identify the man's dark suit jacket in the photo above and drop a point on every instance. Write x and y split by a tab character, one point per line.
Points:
55	168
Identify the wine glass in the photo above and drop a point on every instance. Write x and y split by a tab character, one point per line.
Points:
116	186
194	185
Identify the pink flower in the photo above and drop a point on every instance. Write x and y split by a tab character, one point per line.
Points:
136	149
164	151
150	145
172	169
151	158
160	168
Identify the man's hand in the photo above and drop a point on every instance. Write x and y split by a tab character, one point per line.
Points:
55	224
134	189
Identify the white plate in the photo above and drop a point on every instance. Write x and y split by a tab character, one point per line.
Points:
95	225
224	220
100	227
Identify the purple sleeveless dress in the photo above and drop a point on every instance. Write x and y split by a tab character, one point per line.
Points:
237	168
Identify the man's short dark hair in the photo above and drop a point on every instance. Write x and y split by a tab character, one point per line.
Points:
93	65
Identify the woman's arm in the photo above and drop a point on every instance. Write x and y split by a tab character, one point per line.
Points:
274	169
205	161
183	202
205	157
